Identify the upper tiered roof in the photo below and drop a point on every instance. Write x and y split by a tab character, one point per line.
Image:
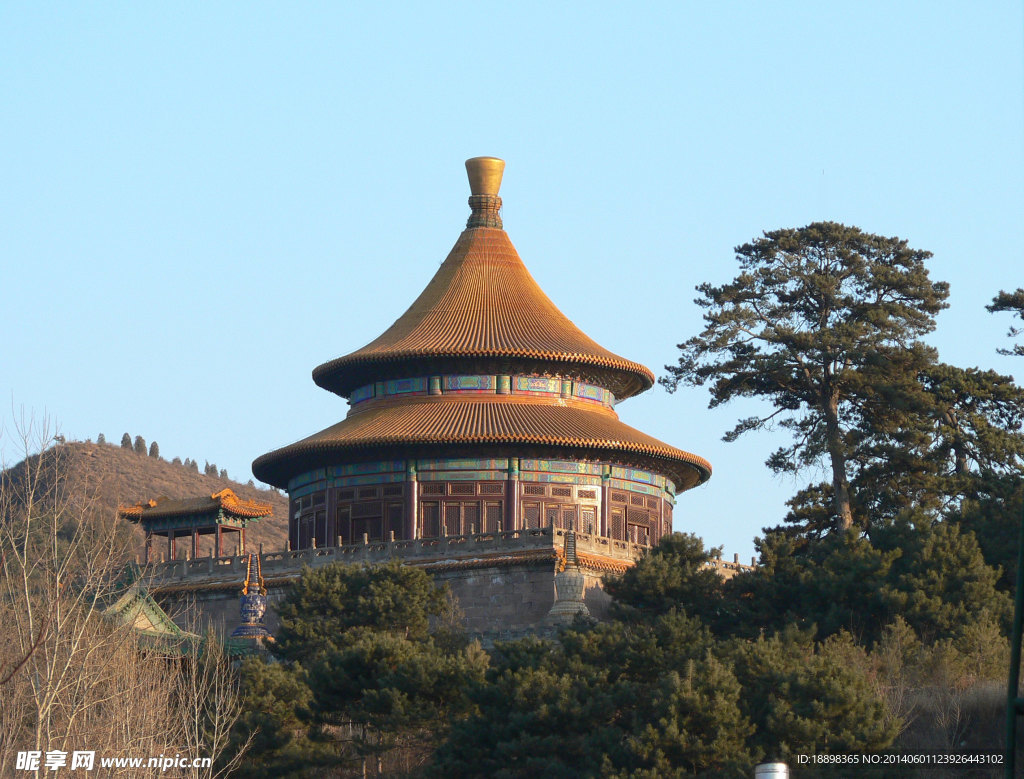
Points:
483	305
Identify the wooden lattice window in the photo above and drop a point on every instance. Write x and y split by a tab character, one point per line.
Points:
619	497
392	490
561	492
452	519
534	489
346	494
531	515
343	525
433	488
471	518
551	516
368	492
587	494
396	514
589	523
492	517
636	500
637	516
492	488
618	525
462	489
568	518
430	527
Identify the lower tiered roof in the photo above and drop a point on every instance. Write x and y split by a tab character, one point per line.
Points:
450	422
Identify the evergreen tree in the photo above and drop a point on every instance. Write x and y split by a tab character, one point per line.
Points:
224	473
822	322
101	439
194	466
126	441
140	445
1014	303
673	575
154	450
176	461
805	698
357	637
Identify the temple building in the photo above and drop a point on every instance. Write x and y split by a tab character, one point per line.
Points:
481	410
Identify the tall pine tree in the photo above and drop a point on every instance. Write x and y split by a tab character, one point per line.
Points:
822	322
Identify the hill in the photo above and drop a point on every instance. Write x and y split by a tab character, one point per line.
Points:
110	476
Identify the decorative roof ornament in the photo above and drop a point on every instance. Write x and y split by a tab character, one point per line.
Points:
254	603
484	182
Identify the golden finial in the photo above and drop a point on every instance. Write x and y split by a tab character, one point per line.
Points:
485	175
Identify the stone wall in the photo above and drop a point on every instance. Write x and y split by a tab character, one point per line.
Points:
503	582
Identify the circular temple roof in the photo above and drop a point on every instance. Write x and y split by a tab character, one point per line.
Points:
451	422
482	312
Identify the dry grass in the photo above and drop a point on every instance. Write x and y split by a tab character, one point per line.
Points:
108	476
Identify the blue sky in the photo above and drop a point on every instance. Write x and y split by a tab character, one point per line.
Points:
201	202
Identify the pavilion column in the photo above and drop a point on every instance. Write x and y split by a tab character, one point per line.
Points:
216	543
241	541
171	549
512	495
149	546
606	477
195	543
411	502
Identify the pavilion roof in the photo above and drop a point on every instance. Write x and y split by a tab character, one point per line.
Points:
225	501
440	421
483	304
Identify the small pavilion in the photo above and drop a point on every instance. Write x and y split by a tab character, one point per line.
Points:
220	513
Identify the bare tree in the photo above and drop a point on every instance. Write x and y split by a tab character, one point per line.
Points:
71	678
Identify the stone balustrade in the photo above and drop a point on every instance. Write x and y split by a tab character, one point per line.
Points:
421	551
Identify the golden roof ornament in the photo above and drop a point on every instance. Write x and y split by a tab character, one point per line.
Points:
484	182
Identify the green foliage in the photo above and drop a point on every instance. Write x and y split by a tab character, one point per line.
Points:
931	573
1014	303
616	699
994	515
941	580
154	449
329	607
672	575
126	441
838	582
275	704
821	322
101	439
140	445
806	698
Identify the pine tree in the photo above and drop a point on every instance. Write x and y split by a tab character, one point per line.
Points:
194	466
1014	303
154	450
126	441
823	323
176	461
101	439
140	445
224	473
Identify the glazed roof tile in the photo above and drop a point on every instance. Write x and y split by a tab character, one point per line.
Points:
225	500
497	420
483	304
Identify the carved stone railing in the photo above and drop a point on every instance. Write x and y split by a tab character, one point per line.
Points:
421	551
418	551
